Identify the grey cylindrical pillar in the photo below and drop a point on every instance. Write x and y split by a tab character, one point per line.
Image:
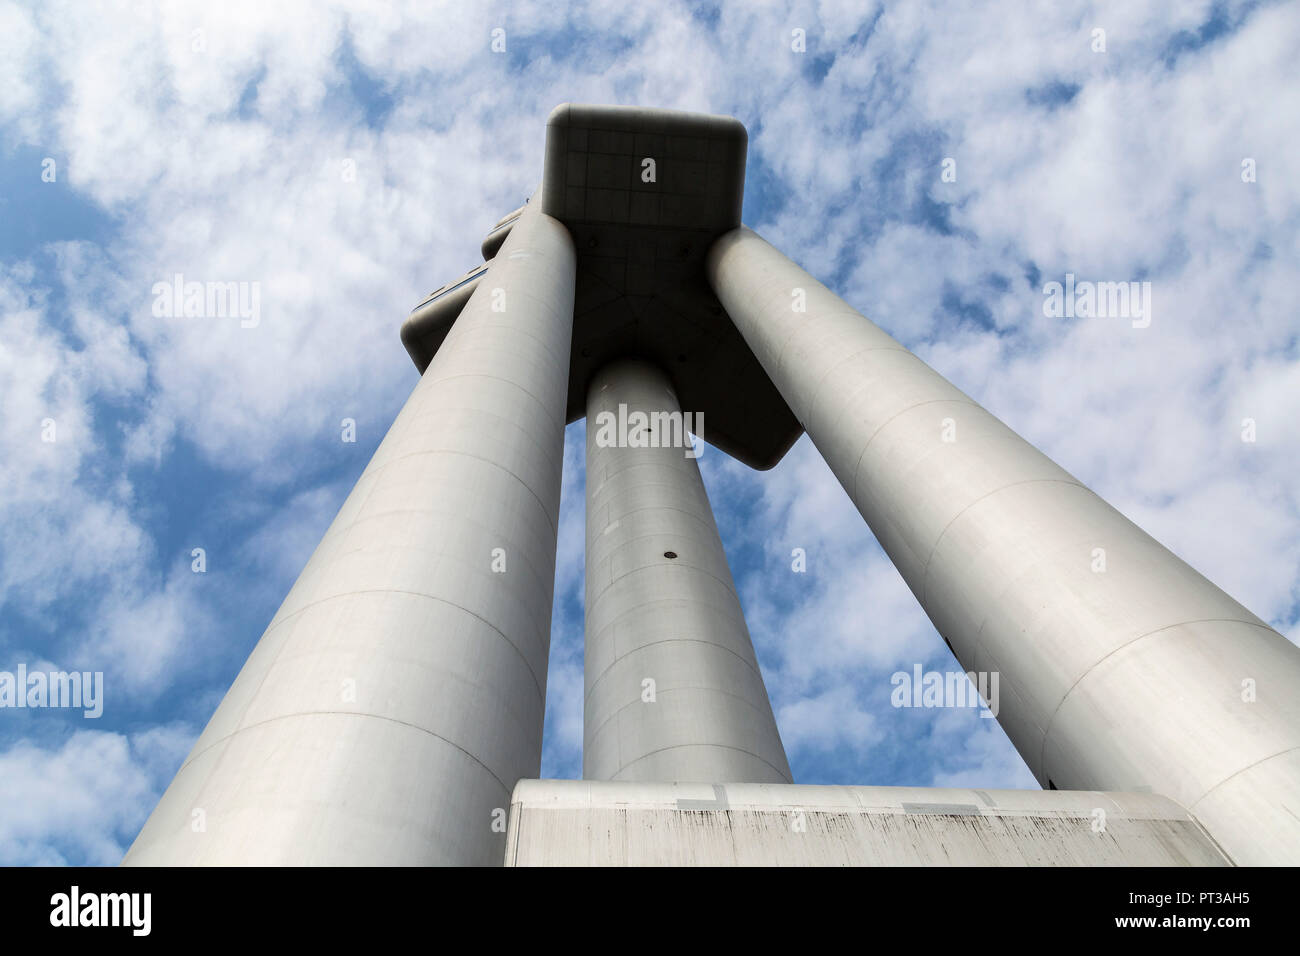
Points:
673	689
398	695
1121	668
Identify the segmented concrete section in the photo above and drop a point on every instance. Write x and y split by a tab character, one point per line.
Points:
673	689
1132	674
397	696
586	823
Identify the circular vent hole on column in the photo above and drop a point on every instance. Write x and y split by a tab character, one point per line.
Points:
670	555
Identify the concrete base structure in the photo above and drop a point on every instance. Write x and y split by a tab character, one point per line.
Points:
1121	667
398	695
673	689
587	823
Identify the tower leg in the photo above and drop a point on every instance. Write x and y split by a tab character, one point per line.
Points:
1121	668
398	694
673	689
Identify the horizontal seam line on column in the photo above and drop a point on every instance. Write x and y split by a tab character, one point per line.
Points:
795	333
513	328
1192	806
857	465
839	363
925	573
464	454
820	381
675	478
521	328
979	633
537	578
788	778
342	713
439	410
690	514
1047	729
420	594
672	690
628	463
658	600
597	488
731	587
671	640
495	378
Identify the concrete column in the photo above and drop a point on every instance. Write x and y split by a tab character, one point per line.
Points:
398	694
1121	668
673	689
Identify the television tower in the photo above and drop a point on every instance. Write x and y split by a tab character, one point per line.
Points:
392	711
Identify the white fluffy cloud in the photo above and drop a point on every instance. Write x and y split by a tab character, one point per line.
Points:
83	801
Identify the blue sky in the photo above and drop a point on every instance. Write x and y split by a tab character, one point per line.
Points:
213	143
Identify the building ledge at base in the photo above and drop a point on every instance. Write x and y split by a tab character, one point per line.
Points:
602	823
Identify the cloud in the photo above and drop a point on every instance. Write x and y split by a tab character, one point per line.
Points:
61	531
830	720
83	800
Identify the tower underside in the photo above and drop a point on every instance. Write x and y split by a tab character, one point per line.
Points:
641	232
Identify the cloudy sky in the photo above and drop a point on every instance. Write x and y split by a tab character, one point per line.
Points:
350	157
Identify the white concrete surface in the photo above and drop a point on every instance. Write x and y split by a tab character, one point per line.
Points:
1144	676
673	689
589	823
398	694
